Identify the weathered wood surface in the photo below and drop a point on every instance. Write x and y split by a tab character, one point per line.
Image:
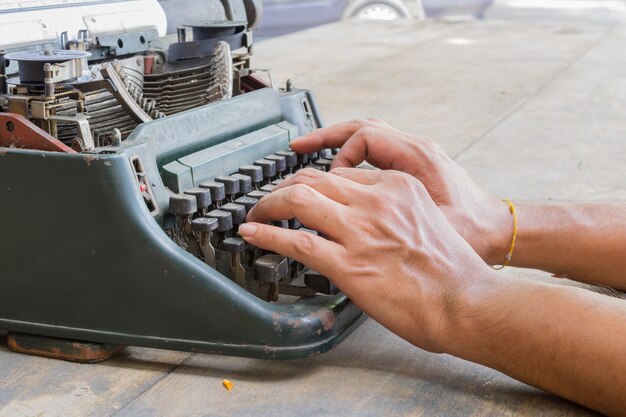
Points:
531	110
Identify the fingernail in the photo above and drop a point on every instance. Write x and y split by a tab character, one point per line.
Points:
247	230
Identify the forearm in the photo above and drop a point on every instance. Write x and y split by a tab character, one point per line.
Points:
564	340
585	242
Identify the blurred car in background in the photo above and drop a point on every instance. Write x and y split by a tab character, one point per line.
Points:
286	16
438	8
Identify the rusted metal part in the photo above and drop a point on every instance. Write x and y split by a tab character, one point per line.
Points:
69	350
252	83
17	132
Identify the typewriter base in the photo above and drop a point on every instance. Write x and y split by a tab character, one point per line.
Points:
69	350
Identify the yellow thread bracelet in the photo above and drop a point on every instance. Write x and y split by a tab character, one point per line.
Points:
510	254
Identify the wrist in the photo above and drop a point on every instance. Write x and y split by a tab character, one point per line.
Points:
499	233
473	313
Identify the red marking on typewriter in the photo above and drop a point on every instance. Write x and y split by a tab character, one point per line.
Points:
17	132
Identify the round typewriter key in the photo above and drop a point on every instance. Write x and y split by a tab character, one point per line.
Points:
234	245
203	196
281	162
245	183
269	167
204	224
278	181
231	184
224	218
254	172
313	156
291	158
237	211
271	268
183	204
247	202
217	190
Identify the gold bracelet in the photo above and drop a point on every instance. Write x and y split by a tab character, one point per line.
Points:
510	254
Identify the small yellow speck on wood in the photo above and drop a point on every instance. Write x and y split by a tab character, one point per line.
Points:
228	385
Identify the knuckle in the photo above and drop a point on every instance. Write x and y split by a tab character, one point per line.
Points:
304	244
307	175
365	132
300	195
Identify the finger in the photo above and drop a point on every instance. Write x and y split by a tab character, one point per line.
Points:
360	176
335	187
313	209
317	253
334	136
380	147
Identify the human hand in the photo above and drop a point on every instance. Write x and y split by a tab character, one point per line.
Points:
385	245
482	219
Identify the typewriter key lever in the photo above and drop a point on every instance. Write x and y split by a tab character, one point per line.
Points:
236	247
203	227
271	269
184	206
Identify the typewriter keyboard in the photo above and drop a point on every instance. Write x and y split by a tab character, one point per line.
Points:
208	217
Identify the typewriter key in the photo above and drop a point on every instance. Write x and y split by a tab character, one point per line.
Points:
202	227
268	188
231	185
218	191
326	153
183	204
291	159
269	168
303	159
271	268
254	172
245	183
247	202
257	194
203	197
281	163
319	283
224	218
237	211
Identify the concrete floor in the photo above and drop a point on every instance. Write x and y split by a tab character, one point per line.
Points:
582	11
532	111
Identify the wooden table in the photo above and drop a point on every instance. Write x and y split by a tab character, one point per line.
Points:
531	110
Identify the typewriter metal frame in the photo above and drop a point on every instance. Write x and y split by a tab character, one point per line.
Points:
83	257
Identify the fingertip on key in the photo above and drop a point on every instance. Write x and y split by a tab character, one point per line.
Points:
247	230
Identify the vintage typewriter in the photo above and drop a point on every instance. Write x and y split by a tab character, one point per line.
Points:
133	140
